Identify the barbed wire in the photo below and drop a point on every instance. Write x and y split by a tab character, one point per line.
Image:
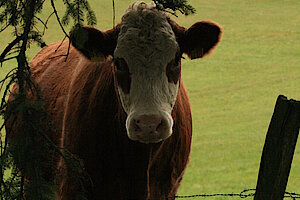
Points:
243	194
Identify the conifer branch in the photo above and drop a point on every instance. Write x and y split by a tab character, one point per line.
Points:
9	47
5	27
171	6
46	22
58	20
114	13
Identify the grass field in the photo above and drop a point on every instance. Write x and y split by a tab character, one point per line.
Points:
233	91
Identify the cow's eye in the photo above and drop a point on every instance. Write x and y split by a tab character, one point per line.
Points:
177	59
173	70
120	64
173	66
122	74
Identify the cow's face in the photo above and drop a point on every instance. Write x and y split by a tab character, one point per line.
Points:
147	48
145	56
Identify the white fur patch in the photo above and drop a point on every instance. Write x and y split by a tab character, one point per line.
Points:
147	43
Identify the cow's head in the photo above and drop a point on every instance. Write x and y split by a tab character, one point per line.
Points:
147	47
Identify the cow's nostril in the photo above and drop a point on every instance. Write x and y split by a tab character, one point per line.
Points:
159	125
136	127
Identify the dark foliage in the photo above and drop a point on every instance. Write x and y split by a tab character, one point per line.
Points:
172	6
22	154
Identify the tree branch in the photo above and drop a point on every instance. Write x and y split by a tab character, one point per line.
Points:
58	20
5	27
9	47
46	22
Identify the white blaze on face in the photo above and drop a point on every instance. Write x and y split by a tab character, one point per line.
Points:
147	43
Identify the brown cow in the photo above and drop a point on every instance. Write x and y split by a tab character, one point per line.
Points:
120	105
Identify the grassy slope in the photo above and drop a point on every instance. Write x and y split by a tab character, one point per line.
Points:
233	91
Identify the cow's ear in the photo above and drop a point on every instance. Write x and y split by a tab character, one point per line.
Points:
199	40
94	44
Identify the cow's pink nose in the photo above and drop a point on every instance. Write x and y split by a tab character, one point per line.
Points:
149	128
147	123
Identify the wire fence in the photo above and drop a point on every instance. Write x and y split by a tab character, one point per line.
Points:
243	194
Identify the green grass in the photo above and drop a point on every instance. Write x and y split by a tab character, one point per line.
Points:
233	91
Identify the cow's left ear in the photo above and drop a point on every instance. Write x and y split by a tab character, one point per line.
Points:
93	43
199	40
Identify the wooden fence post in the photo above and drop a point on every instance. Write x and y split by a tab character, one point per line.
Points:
278	150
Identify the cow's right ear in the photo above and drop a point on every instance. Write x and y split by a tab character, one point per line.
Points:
94	44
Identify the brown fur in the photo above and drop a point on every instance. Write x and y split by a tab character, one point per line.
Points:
117	165
95	130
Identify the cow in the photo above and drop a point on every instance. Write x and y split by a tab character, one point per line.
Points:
119	103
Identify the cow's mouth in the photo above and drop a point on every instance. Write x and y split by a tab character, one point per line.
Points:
147	140
150	138
151	141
